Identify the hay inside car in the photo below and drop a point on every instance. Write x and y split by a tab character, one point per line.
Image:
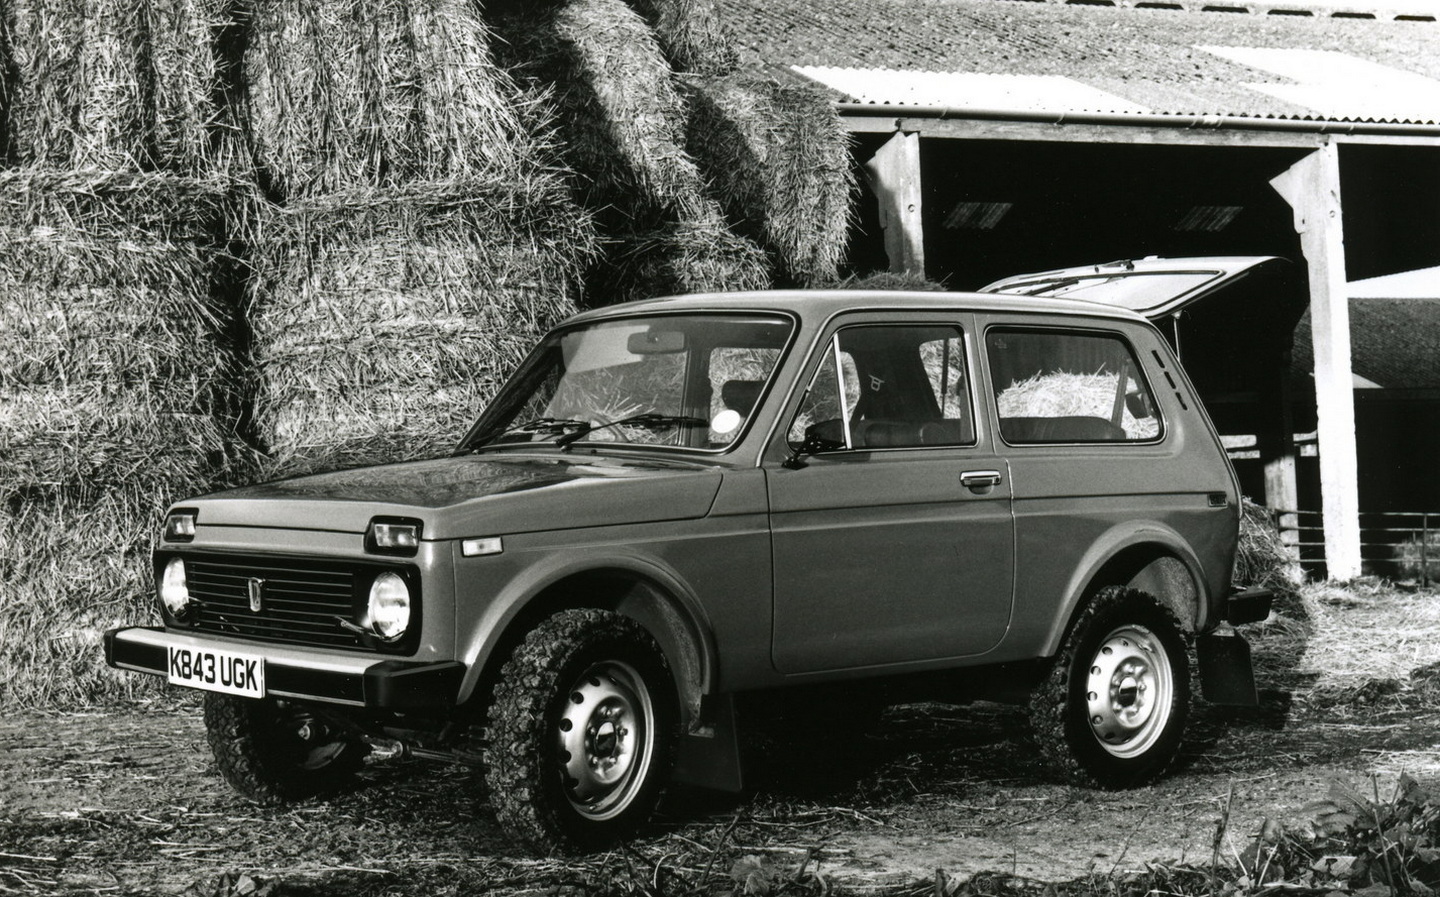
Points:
677	505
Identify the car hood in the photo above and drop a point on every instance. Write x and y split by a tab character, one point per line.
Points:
1154	287
474	495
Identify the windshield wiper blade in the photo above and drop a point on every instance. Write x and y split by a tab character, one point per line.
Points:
647	419
536	425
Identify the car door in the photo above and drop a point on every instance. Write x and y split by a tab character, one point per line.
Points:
892	535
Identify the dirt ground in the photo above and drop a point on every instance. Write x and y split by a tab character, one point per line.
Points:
128	802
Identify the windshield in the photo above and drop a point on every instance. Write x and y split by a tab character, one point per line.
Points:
1138	291
689	381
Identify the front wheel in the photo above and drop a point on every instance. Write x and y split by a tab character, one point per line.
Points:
1112	710
581	732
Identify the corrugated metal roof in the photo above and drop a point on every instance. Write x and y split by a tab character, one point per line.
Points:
1394	343
1078	57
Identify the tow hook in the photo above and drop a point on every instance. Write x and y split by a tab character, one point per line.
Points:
384	750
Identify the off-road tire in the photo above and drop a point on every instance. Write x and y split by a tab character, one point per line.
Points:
1122	671
259	751
587	681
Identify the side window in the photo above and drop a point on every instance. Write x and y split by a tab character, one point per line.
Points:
1058	387
885	386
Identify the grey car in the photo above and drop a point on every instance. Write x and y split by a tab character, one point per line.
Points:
677	505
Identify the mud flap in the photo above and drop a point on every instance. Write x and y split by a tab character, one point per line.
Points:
1227	675
708	755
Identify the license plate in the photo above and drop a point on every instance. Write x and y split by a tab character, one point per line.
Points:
213	669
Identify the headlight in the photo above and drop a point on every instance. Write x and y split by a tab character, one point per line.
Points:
389	609
180	526
174	590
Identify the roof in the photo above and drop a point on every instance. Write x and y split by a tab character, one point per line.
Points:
1422	283
1394	343
822	304
1291	59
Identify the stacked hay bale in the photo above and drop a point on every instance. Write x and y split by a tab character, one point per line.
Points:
777	157
691	34
115	393
117	374
416	241
625	115
110	85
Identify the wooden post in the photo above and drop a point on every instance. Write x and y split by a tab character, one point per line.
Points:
1275	437
1312	188
894	177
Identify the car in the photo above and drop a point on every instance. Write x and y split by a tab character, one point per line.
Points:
681	508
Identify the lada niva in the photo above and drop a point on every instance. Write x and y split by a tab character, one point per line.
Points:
676	505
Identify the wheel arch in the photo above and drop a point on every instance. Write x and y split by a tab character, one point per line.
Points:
1153	560
652	595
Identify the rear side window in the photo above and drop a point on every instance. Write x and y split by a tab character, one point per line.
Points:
1054	386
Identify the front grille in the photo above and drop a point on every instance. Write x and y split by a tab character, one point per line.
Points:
302	599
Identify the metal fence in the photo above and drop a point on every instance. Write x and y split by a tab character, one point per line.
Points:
1401	545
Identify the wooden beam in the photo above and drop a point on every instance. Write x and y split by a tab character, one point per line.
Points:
872	124
894	177
978	129
1312	188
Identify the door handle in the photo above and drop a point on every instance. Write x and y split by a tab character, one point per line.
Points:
980	479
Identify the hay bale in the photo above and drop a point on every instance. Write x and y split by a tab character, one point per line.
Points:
376	93
110	84
777	157
1262	559
384	320
891	280
69	570
191	131
117	396
692	35
1063	394
115	373
621	105
702	256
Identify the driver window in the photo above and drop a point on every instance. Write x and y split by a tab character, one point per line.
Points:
886	386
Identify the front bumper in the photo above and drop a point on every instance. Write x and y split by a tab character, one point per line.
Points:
352	681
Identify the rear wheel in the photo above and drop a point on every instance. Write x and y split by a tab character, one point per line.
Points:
581	733
1112	710
275	752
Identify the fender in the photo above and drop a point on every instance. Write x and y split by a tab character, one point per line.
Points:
694	676
1116	541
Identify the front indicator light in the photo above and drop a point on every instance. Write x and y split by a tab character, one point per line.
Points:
175	589
388	613
474	548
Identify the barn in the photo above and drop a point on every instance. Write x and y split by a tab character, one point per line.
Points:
1005	136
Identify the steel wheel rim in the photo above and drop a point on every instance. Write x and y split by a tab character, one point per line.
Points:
606	733
1129	688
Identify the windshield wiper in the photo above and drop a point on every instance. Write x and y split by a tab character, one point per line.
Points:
648	419
537	425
